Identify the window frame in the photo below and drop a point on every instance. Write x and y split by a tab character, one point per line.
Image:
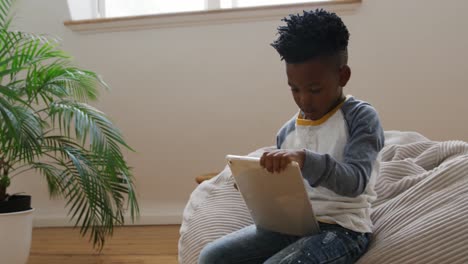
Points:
205	17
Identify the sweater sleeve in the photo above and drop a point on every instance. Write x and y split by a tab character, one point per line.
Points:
366	139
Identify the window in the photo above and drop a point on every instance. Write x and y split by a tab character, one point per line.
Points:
91	16
119	8
122	8
252	3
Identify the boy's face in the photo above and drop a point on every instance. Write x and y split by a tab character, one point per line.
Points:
316	85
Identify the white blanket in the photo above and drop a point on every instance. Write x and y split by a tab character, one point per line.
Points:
420	215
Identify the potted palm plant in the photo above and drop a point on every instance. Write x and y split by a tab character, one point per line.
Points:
47	126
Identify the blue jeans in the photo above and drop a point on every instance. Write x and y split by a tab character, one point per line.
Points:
334	244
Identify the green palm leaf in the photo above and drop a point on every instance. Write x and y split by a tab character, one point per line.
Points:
5	7
89	123
21	129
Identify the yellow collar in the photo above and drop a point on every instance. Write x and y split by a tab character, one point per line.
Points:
300	121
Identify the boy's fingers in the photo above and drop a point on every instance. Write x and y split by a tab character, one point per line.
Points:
276	164
277	161
262	159
271	160
268	163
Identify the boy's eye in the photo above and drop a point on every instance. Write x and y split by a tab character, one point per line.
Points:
294	90
315	91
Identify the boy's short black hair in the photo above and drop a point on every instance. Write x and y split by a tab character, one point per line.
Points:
314	34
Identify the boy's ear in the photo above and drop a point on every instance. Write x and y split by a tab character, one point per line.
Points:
345	75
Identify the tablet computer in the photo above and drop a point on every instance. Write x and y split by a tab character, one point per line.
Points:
276	201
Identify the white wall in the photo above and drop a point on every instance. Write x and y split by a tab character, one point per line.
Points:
186	97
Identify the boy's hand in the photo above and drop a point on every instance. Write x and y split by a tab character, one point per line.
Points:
277	160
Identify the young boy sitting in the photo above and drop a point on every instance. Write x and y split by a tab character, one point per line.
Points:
334	138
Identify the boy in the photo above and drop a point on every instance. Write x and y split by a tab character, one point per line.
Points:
334	138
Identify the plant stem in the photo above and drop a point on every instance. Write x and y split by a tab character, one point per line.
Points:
2	193
4	179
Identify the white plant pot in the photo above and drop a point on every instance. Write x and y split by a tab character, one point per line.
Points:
15	237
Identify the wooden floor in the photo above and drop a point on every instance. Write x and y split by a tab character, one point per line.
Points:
132	245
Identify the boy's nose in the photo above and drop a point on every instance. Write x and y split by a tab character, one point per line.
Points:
305	102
